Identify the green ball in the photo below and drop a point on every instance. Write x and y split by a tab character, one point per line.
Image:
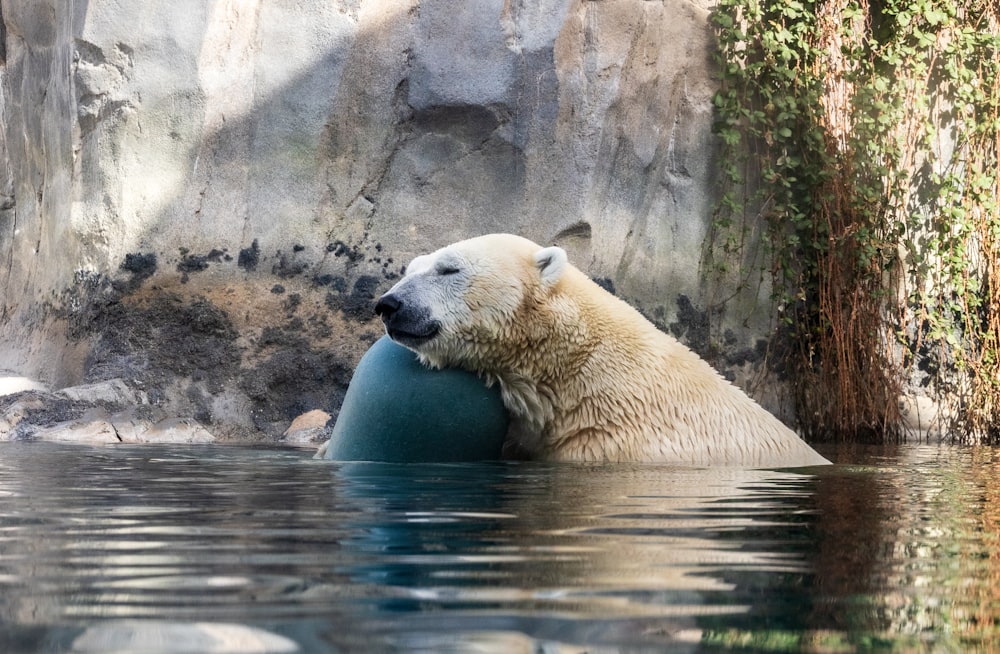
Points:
398	410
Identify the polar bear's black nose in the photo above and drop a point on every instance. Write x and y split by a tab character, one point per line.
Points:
387	305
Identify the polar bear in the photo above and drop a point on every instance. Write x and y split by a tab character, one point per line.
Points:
583	375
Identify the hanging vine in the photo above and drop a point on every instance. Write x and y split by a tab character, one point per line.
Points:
864	136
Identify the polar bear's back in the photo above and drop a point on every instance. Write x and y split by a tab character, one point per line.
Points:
661	401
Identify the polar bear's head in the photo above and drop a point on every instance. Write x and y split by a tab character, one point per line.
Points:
461	304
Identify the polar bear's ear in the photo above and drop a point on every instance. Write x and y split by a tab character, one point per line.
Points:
551	262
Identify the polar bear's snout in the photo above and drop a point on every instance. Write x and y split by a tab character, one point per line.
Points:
406	322
387	305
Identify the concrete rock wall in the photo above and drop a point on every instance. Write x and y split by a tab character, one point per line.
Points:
201	198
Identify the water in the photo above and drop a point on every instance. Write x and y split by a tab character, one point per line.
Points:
233	549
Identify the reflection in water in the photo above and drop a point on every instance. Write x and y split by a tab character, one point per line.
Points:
909	545
193	637
216	549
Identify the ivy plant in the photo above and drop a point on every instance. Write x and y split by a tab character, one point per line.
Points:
863	137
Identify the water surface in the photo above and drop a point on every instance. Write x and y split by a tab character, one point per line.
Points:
234	549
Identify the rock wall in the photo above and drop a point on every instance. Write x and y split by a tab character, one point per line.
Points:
201	198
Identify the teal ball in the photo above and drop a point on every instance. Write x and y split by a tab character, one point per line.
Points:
398	410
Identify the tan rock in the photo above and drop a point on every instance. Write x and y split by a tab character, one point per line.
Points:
307	429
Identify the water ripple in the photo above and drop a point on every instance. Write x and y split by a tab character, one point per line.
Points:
219	549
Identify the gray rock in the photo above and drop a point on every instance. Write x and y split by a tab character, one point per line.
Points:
924	418
111	391
10	385
204	198
109	430
16	413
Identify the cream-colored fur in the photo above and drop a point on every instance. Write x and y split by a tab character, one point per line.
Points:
584	376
